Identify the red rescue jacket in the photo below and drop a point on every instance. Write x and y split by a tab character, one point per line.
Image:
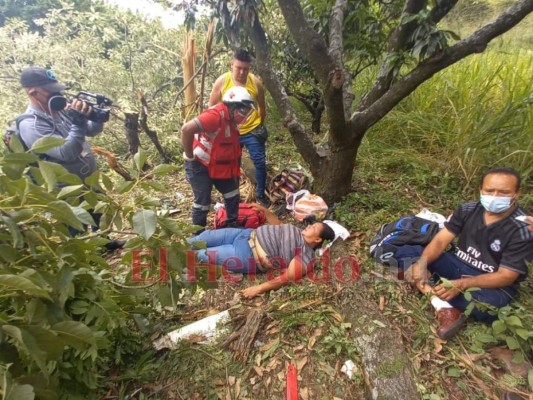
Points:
220	150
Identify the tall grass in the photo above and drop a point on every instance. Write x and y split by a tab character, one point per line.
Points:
472	116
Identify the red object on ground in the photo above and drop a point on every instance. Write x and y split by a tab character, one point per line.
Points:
292	383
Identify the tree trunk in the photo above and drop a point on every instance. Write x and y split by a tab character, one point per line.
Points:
333	175
132	132
387	370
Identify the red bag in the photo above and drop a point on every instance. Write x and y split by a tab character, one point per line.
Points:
248	217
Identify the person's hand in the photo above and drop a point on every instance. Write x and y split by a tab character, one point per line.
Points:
417	273
81	106
251	292
447	290
258	207
424	288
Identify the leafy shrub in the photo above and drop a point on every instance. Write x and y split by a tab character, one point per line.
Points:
65	316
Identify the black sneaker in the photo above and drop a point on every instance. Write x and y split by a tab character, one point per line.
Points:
114	245
263	200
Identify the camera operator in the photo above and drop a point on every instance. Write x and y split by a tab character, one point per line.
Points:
49	114
54	117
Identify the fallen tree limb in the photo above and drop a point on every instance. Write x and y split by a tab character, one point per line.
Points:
387	370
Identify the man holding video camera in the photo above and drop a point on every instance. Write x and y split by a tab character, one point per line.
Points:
49	114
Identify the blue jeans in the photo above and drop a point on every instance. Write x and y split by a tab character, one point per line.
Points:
202	184
257	150
450	267
227	247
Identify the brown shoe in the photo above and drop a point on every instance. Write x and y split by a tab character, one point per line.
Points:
450	320
511	396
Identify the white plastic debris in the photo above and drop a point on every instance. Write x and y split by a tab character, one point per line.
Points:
179	196
218	205
348	368
209	328
432	216
168	212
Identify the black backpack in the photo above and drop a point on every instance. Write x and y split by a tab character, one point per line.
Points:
410	230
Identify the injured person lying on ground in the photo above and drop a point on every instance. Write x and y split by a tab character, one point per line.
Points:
275	246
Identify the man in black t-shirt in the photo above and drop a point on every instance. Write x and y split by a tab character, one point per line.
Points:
494	244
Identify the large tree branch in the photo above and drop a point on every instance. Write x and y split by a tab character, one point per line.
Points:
336	23
313	45
441	9
336	48
475	43
264	66
397	42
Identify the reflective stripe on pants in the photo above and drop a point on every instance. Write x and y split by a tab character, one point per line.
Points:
202	185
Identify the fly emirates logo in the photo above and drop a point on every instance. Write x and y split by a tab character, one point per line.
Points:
471	258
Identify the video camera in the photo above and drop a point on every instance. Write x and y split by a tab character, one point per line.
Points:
99	103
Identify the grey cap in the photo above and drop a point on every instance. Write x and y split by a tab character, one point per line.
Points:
41	77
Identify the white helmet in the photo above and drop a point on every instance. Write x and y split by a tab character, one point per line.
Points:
238	95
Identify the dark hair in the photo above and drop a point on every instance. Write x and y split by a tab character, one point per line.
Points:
503	171
326	233
243	55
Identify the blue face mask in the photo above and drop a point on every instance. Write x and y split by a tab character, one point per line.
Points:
495	204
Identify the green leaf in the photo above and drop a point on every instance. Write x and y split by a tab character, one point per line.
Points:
69	191
15	144
513	320
124	187
107	182
140	159
523	333
15	282
468	296
164	169
144	223
16	235
379	323
28	343
74	333
148	201
9	253
158	186
83	216
498	327
49	343
530	378
44	144
20	392
48	174
512	343
454	372
63	213
485	338
20	158
170	225
271	350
